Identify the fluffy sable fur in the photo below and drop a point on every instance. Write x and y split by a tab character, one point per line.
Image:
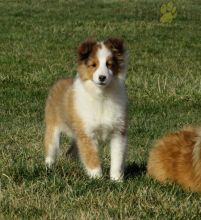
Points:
91	108
177	157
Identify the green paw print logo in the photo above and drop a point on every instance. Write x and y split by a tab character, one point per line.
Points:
168	12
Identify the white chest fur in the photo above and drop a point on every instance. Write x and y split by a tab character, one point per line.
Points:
101	113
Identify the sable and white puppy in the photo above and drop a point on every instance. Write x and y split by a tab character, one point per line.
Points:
177	157
92	107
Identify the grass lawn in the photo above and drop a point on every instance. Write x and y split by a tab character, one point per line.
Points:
38	41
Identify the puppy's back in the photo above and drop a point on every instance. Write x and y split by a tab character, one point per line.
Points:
55	100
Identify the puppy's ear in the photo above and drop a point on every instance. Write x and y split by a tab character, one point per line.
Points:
85	49
116	45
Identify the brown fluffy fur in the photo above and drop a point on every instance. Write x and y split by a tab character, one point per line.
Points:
176	157
116	62
55	113
87	60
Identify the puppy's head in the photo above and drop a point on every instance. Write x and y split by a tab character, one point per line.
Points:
101	62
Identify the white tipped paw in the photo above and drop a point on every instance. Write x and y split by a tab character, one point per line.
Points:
117	176
49	162
95	173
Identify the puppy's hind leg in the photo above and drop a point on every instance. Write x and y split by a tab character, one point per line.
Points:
52	137
72	152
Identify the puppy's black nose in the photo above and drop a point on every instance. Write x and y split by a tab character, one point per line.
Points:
102	78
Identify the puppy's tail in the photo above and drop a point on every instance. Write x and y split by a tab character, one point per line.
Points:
196	155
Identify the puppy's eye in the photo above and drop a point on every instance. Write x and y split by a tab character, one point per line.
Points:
93	65
109	65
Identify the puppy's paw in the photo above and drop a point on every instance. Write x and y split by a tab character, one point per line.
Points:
116	176
49	161
95	173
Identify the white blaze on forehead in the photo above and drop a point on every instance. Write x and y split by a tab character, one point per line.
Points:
103	53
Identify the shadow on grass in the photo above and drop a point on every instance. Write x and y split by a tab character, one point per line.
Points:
133	170
20	171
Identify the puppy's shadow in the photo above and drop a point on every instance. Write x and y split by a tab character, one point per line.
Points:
133	170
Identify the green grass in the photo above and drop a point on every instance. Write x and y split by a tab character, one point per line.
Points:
38	41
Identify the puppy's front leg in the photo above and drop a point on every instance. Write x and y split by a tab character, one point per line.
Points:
89	155
52	136
118	147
